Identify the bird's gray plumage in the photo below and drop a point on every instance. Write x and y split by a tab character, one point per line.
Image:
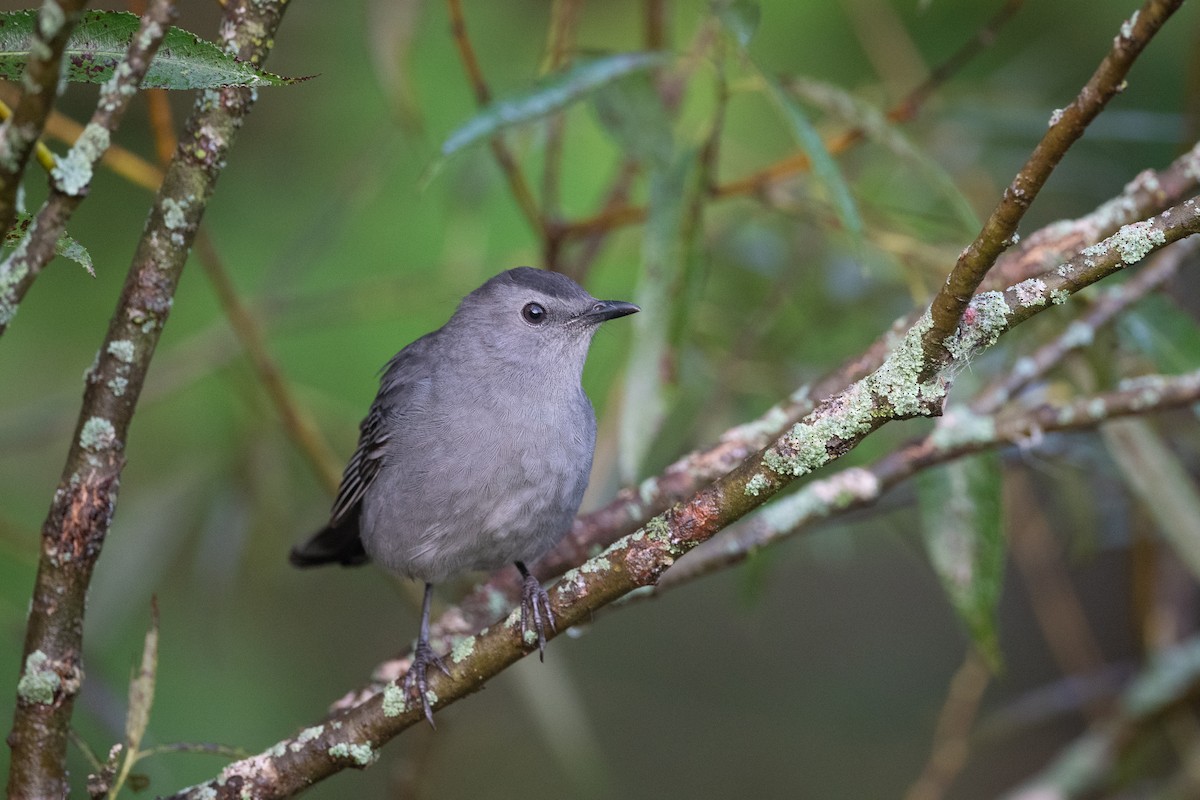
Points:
477	449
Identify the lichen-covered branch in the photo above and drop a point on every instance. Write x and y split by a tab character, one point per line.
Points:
633	506
39	87
961	433
1081	332
1066	126
893	391
82	508
72	174
1148	193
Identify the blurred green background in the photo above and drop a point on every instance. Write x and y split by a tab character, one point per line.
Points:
815	670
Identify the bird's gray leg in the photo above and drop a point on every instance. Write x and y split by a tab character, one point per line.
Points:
423	657
535	603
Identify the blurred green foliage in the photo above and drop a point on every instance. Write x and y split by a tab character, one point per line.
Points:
826	685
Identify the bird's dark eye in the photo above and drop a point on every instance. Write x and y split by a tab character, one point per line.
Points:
533	313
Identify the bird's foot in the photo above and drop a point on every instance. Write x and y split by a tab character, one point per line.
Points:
415	684
535	606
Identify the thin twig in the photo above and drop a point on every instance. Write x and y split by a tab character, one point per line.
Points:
951	739
504	157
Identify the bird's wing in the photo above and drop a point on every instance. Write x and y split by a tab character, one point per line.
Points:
401	378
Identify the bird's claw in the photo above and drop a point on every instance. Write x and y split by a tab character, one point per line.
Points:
415	684
535	604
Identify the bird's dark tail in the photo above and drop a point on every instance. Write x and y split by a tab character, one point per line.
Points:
338	544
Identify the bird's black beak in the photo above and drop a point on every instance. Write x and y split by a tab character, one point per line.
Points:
604	310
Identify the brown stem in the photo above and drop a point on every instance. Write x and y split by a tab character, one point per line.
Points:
504	157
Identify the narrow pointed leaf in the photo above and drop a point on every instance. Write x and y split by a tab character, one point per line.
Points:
66	246
547	96
99	42
874	124
961	518
741	18
631	111
824	167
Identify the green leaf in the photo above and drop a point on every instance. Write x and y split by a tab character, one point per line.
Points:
737	18
1160	481
961	516
631	112
824	167
741	18
548	96
99	42
875	125
66	246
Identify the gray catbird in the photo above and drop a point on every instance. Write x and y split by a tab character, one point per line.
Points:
477	449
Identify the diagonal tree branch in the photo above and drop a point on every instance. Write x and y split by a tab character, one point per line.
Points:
891	392
1066	127
81	512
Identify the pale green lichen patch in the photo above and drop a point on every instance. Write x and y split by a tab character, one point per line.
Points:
39	682
117	385
894	390
97	434
395	701
757	484
657	530
896	382
648	490
1127	25
989	313
73	172
1031	292
122	350
50	19
360	754
173	213
306	736
1135	240
596	565
462	649
1059	296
